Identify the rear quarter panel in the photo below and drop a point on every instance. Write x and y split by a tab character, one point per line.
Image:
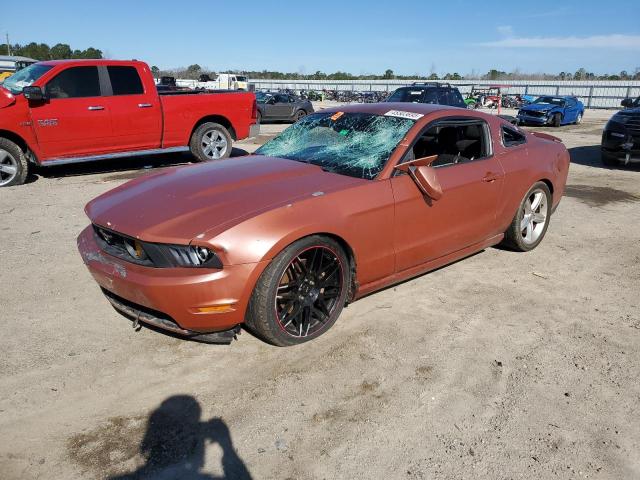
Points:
540	159
183	112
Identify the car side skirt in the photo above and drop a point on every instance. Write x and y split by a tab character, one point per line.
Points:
111	156
427	266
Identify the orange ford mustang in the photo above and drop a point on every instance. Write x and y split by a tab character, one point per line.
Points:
344	202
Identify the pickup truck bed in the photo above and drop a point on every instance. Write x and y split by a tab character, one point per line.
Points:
85	110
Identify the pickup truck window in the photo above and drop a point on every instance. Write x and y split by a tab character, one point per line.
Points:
75	82
125	81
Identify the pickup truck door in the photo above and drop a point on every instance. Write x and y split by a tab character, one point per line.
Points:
74	121
136	116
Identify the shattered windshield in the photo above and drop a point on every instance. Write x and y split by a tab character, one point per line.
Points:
25	77
353	144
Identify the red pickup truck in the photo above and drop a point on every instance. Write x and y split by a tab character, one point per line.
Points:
66	111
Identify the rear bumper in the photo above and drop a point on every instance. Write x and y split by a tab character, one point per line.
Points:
254	130
170	298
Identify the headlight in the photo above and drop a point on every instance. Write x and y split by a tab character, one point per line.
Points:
158	255
192	256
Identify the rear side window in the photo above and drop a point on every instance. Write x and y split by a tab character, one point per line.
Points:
75	82
511	138
125	81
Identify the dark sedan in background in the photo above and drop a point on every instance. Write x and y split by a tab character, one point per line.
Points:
621	135
282	106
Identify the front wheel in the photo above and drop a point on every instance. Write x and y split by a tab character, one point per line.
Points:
531	221
557	120
210	141
301	293
14	166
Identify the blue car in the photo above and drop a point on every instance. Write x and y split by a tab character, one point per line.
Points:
550	110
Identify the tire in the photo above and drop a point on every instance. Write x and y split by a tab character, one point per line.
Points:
259	118
525	222
299	115
14	166
210	141
293	289
579	119
557	120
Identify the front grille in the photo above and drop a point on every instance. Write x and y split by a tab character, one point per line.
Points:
535	114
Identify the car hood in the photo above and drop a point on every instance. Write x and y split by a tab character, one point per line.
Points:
179	204
6	98
538	107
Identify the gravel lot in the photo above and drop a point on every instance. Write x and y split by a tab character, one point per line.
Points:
504	365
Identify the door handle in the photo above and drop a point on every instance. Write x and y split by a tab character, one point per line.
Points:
144	105
490	177
96	107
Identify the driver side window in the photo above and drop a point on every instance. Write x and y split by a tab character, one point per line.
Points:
453	142
75	82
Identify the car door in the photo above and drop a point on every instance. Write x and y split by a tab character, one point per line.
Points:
571	111
74	120
465	215
136	117
283	106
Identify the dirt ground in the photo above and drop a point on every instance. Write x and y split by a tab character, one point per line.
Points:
501	366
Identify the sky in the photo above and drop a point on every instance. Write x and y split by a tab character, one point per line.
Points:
359	37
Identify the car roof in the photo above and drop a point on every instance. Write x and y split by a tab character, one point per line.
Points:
93	61
15	58
384	107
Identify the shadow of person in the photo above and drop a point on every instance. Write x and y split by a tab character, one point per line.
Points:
175	441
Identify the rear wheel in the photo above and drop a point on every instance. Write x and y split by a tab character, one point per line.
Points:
14	166
300	114
579	119
530	223
301	293
210	141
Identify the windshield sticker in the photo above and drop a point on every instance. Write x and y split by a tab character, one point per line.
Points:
400	114
336	116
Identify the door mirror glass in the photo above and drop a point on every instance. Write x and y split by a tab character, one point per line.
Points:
33	94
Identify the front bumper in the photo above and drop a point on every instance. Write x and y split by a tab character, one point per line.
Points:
173	295
619	144
524	117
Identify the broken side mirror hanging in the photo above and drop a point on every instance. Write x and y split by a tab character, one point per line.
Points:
424	176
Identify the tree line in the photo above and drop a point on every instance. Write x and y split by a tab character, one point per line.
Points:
42	51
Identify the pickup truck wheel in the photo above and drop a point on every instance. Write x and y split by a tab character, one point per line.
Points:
14	166
531	221
210	141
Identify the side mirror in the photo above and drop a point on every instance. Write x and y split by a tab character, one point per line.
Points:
627	103
424	175
33	94
271	101
427	181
